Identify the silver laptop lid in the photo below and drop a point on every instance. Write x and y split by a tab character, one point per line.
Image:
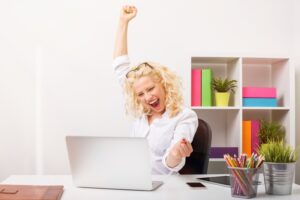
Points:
110	162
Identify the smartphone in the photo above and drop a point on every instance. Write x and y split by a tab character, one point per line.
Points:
195	184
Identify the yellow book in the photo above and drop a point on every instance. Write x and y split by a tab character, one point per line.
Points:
246	137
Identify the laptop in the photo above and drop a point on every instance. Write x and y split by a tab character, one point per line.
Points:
110	162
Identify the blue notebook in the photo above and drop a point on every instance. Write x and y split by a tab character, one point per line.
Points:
260	102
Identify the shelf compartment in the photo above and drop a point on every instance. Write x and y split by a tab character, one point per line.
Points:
225	126
280	116
223	67
268	72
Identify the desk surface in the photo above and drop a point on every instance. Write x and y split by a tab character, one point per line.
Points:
174	187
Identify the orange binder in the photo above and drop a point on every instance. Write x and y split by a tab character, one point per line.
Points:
32	192
246	137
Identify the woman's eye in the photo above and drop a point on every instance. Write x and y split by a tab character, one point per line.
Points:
140	94
150	89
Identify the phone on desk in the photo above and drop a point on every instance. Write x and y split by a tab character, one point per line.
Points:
195	185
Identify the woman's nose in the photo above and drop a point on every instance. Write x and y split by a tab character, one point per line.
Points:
147	96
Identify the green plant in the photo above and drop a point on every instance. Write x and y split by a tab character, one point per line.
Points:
270	131
224	85
278	152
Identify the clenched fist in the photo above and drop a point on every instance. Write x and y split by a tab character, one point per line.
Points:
181	149
128	13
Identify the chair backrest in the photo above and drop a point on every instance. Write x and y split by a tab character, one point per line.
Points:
197	163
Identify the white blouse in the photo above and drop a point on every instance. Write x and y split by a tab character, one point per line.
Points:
162	133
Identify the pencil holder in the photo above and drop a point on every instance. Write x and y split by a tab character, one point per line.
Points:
243	182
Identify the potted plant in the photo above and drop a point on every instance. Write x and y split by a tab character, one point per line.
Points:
222	88
270	131
279	167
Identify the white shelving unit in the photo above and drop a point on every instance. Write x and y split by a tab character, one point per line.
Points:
226	122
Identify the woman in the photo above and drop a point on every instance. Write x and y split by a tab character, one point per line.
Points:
154	98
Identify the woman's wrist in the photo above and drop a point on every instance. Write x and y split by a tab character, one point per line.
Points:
123	22
172	161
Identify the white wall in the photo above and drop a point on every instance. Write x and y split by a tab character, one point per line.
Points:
296	57
56	76
17	90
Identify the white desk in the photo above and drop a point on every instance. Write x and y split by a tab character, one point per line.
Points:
174	188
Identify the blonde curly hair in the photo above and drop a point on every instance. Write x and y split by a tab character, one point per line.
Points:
170	82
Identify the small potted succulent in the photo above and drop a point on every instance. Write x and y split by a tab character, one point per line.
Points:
279	167
222	88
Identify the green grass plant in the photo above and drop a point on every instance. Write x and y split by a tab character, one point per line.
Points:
270	131
278	152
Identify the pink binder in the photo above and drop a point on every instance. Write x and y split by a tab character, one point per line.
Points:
255	126
196	87
265	92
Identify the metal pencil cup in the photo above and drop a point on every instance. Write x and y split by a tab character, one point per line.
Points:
243	182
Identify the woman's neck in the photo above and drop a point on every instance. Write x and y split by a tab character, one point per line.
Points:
154	116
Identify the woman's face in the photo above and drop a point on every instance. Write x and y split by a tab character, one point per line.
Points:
152	95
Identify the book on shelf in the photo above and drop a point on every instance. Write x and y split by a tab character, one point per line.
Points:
32	192
196	87
246	137
250	136
259	92
259	102
206	87
218	152
255	126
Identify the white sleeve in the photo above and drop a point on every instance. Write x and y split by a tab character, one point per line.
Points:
186	128
121	67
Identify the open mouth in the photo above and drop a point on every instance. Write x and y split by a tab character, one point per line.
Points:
154	104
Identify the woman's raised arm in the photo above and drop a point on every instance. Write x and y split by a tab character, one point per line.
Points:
127	14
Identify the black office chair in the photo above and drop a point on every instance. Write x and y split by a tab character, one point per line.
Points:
197	163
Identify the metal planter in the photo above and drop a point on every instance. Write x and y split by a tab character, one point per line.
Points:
279	178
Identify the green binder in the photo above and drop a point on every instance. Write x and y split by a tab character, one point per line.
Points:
206	87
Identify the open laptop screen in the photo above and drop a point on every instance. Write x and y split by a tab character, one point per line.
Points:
110	162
